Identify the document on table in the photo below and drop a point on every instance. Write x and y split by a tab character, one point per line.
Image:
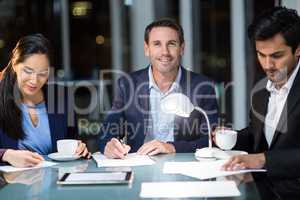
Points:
189	189
15	169
130	160
202	170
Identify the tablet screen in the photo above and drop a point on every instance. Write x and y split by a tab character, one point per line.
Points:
115	176
95	178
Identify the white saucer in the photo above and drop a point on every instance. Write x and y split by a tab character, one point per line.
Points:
216	153
60	157
227	154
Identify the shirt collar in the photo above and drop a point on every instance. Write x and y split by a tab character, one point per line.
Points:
175	84
287	86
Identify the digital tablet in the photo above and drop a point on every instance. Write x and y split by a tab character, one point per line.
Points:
90	178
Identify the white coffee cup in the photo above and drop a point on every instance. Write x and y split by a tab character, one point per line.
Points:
67	146
226	139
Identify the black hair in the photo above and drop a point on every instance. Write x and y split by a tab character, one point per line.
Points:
10	113
277	20
164	23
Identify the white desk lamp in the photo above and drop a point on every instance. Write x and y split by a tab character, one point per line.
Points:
179	104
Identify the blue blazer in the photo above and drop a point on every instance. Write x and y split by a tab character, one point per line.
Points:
57	107
130	112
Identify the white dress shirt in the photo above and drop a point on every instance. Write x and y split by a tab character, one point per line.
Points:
160	124
276	103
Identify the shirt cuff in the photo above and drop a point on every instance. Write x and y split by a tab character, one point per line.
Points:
2	151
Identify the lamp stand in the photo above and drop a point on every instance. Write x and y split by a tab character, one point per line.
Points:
206	153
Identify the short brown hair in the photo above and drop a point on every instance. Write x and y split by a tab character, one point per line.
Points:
164	23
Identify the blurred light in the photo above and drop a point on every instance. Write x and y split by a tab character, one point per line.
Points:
128	2
56	7
2	43
60	73
100	39
80	8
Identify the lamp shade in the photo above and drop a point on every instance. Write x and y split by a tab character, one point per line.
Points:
177	104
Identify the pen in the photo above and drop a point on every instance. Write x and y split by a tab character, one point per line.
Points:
123	139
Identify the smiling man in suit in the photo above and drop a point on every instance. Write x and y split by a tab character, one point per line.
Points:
273	135
136	110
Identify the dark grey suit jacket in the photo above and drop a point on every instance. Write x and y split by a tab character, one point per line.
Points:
283	155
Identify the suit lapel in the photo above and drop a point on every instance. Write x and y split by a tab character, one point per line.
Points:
53	117
143	95
54	137
178	121
143	99
259	110
292	100
183	82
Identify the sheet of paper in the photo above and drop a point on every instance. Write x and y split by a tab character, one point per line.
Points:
189	189
202	170
15	169
130	160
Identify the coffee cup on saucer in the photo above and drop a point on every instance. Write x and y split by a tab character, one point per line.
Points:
67	147
66	150
226	139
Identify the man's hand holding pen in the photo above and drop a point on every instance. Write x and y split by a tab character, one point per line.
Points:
116	149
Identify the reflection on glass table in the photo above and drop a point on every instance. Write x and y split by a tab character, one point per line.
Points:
28	177
48	189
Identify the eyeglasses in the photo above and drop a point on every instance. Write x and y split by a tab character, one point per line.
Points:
30	72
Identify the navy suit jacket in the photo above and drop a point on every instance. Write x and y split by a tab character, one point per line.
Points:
130	112
58	112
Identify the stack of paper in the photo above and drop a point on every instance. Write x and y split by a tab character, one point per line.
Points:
189	189
130	160
15	169
202	170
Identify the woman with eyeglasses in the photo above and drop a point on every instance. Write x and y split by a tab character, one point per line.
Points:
33	113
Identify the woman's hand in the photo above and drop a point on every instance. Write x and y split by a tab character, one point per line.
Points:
22	158
82	150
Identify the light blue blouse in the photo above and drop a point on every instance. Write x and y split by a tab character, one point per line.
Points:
37	138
